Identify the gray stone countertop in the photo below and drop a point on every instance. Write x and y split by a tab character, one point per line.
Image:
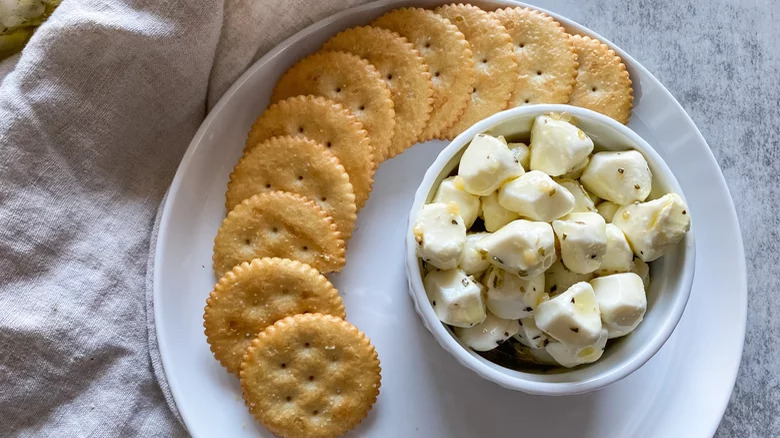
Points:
721	60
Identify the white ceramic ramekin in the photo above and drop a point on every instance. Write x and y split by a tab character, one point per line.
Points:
672	275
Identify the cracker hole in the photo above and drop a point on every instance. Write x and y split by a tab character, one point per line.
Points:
300	178
274	230
538	72
527	101
311	378
315	412
284	365
428	44
300	129
484	60
362	107
389	76
305	248
288	398
521	45
593	89
307	346
436	74
338	90
268	186
323	199
247	241
328	144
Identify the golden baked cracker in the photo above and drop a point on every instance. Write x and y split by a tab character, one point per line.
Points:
278	224
494	58
545	56
351	81
603	84
296	165
310	375
255	295
325	122
405	73
445	50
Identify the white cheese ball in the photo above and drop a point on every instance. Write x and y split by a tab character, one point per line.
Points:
558	279
522	153
557	146
511	296
607	210
571	356
468	205
530	335
583	241
488	334
536	196
571	317
521	247
440	234
582	201
493	214
455	297
653	227
622	302
619	257
486	164
472	261
621	177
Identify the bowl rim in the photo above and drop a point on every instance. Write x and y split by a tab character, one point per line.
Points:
517	382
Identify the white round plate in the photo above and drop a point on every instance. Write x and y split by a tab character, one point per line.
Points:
682	391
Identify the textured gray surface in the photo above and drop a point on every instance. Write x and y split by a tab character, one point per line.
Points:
721	60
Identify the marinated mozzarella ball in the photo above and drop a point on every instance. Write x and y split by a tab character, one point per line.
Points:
472	261
488	334
440	234
530	335
522	152
521	247
641	269
583	240
557	146
493	214
536	196
622	302
607	210
582	201
456	298
570	356
486	164
558	279
511	296
654	226
619	257
468	204
620	177
572	317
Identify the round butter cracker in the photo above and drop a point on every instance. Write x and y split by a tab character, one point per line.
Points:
603	83
405	73
278	224
547	64
296	165
310	375
254	295
351	81
327	123
494	60
448	55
